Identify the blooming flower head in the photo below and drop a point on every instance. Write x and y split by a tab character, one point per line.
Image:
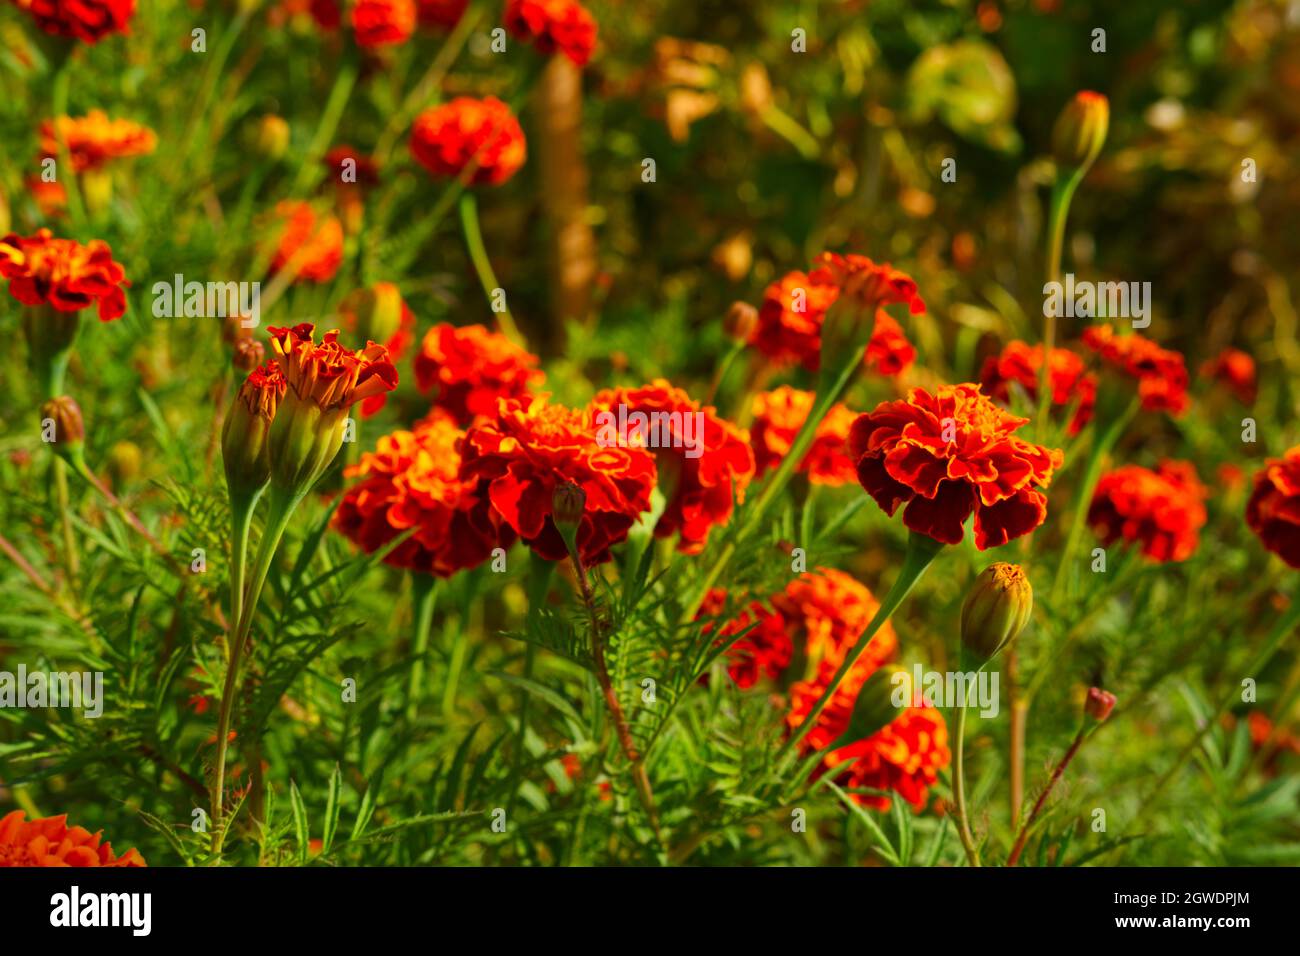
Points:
480	139
553	25
1161	510
778	416
903	757
871	284
949	455
888	350
443	14
94	139
1234	369
531	447
310	246
1273	511
64	274
86	20
383	22
412	480
828	609
244	447
380	314
1020	364
323	381
704	462
764	650
49	841
1161	373
471	368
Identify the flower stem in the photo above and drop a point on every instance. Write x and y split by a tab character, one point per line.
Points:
1042	797
959	788
424	597
70	555
921	550
1058	213
483	266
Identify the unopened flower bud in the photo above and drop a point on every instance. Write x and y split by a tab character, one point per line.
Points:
568	502
741	321
996	610
271	137
249	354
62	426
245	449
883	698
1080	130
124	460
1099	704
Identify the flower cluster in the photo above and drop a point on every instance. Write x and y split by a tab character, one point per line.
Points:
1019	364
778	416
86	20
1161	374
1161	511
563	26
468	368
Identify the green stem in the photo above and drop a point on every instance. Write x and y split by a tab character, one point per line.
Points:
1058	213
483	266
70	555
959	788
921	550
241	521
424	597
67	175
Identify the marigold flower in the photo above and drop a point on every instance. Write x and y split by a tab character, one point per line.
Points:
49	841
531	447
383	22
471	368
904	757
1020	363
244	447
829	610
947	455
700	474
778	416
871	284
93	140
551	25
412	480
323	382
309	246
50	197
444	14
1161	510
1273	511
379	314
888	350
86	20
63	273
480	138
1161	373
765	649
1235	369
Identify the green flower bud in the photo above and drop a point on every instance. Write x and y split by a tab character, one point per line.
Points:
996	610
1080	130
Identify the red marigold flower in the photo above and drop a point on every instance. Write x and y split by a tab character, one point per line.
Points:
412	480
310	246
50	198
701	472
1235	369
551	25
49	841
63	273
872	284
86	20
888	351
778	416
471	368
379	314
1020	364
383	22
244	448
765	649
1161	510
94	139
790	318
1161	374
947	455
441	13
532	446
480	138
831	609
904	757
1273	511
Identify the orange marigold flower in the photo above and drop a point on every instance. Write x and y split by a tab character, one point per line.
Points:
1235	369
94	139
904	757
471	368
412	480
383	22
379	313
888	351
465	136
830	609
244	448
947	455
1021	363
872	284
310	247
531	447
86	20
63	273
704	462
50	198
551	25
49	841
1161	510
778	416
1273	511
441	13
764	650
1161	373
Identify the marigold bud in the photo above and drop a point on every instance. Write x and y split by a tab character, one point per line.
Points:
996	610
1080	130
568	503
249	354
741	321
1099	704
69	430
244	437
271	137
883	698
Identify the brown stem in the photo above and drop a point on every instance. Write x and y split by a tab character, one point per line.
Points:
1019	718
1042	797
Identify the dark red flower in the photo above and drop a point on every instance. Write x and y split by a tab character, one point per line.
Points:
765	649
465	136
872	284
1020	364
63	274
1162	511
86	20
1236	370
1161	374
888	351
1273	511
949	455
471	368
383	22
443	14
551	25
